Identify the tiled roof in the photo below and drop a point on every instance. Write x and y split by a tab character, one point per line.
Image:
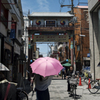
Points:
51	14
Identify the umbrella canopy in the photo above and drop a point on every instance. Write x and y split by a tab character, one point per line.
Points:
46	66
3	67
67	64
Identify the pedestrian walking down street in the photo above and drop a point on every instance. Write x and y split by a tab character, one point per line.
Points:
41	87
7	89
64	73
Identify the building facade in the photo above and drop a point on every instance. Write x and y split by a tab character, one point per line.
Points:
94	33
81	35
11	25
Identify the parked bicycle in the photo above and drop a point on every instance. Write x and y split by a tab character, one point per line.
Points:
94	86
73	85
21	94
85	76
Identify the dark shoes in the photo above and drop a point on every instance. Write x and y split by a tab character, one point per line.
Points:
68	92
71	95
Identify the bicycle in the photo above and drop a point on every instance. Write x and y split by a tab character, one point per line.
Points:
21	94
85	76
94	86
73	85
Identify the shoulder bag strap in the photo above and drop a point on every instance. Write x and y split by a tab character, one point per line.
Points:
7	90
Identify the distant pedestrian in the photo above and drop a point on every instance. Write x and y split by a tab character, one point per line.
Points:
32	82
41	87
64	73
7	89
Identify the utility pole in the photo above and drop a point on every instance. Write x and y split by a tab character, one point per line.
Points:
72	39
72	5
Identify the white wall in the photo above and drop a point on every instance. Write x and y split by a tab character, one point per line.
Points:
16	11
91	4
94	38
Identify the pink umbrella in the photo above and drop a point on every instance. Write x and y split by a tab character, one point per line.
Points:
46	66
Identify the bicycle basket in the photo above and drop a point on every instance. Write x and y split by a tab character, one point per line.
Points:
73	81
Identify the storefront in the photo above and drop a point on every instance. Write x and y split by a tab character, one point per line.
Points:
16	61
8	45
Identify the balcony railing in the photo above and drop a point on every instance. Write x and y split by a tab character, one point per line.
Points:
50	26
57	28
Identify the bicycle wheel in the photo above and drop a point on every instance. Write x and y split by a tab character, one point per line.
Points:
22	95
93	87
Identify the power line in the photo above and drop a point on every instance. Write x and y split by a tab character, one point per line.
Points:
72	5
61	4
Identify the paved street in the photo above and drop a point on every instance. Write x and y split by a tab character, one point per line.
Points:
58	91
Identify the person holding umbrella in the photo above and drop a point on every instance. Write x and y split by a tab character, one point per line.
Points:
41	86
64	73
44	68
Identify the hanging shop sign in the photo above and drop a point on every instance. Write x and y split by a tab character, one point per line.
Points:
7	46
12	34
88	54
16	48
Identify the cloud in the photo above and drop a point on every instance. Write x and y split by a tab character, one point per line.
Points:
43	5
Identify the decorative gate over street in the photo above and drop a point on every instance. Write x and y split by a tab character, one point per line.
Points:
49	26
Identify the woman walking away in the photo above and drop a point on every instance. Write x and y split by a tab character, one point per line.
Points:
41	86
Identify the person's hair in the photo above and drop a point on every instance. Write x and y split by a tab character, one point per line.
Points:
40	55
71	67
41	78
2	77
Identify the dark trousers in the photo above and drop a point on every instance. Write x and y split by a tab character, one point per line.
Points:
64	75
43	95
68	85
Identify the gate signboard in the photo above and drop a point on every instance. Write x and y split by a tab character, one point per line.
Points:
50	38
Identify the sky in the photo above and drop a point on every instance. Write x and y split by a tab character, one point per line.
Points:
47	6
